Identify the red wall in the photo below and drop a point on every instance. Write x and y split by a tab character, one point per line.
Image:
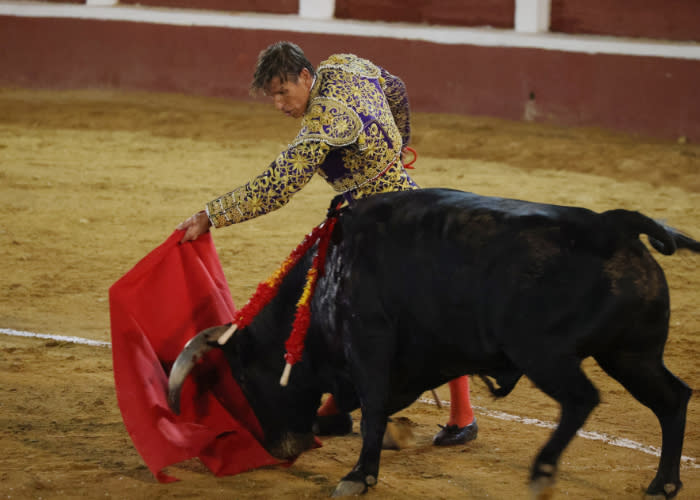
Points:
268	6
496	13
661	19
654	96
656	19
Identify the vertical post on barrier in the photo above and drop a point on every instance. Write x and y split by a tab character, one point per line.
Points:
532	16
317	9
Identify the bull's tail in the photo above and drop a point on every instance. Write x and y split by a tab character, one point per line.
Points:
662	237
681	240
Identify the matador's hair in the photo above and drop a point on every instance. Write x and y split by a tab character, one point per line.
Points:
281	59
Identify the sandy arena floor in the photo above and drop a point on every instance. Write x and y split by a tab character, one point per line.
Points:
92	181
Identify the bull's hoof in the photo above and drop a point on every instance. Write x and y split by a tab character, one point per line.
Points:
332	425
541	489
670	491
398	435
349	489
542	484
451	435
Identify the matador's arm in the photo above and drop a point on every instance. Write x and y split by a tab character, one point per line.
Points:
397	96
272	189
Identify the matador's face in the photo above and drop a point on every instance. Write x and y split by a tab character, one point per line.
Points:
291	97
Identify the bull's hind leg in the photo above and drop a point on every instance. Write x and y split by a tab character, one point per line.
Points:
568	385
653	385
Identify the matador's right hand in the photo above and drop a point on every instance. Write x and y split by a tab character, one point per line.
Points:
194	226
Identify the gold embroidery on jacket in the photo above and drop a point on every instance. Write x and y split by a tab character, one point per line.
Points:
331	121
348	111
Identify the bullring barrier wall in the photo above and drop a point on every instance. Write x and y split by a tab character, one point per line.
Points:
639	85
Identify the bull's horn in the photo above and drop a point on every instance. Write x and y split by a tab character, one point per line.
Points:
194	350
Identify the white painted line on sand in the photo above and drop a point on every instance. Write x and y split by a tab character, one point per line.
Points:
592	435
60	338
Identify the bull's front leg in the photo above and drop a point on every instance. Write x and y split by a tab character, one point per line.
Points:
369	354
366	470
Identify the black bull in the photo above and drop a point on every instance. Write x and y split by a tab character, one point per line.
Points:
423	286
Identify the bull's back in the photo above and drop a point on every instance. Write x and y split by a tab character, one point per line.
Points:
461	275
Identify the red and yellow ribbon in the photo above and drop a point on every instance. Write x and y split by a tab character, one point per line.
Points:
295	342
267	290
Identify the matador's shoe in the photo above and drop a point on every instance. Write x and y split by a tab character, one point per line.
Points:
339	424
451	435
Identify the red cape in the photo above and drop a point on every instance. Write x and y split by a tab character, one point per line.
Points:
166	299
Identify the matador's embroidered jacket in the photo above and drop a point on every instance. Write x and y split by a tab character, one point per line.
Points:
355	125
